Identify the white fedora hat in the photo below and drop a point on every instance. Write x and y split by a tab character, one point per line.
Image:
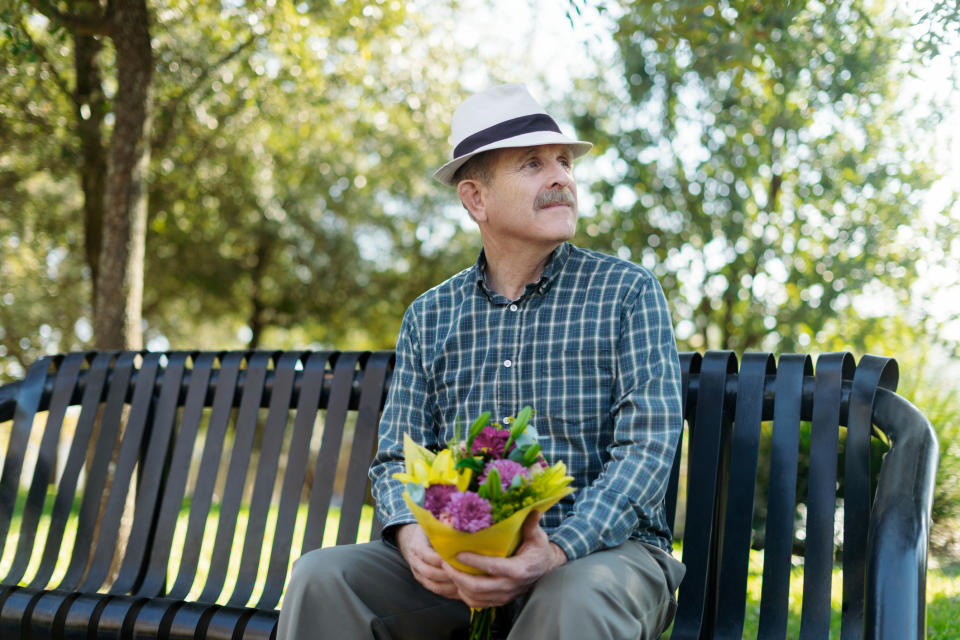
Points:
501	117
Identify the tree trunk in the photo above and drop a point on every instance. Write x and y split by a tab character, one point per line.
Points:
119	285
259	306
89	102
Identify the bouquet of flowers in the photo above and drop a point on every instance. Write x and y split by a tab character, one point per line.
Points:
475	494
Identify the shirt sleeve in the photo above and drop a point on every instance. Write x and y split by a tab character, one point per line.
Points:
647	422
408	410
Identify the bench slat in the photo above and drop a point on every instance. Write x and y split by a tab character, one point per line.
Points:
832	370
267	465
246	425
364	443
738	526
326	466
202	499
872	373
311	389
97	473
697	604
131	449
154	582
150	480
689	365
781	494
44	468
66	491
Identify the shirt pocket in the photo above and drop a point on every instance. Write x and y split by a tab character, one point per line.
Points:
575	386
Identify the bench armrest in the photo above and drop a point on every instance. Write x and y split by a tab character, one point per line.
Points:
895	604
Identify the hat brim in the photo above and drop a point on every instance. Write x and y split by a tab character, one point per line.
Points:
445	173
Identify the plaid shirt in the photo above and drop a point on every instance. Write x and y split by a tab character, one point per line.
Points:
590	347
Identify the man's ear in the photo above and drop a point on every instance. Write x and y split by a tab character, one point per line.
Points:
471	196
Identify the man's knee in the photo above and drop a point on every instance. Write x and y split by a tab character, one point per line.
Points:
618	594
318	569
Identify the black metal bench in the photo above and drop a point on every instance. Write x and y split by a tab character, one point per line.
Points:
208	449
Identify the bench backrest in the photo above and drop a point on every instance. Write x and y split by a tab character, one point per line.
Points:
227	445
815	429
213	447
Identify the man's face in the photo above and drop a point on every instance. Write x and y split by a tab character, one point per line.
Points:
532	196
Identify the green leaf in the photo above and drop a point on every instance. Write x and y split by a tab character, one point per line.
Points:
491	488
530	455
516	455
482	420
470	463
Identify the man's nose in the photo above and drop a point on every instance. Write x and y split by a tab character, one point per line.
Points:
560	175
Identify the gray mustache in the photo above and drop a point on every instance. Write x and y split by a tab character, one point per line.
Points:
554	196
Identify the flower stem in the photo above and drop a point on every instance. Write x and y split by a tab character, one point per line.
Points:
481	623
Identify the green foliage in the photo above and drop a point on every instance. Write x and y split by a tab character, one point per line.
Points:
940	29
924	383
760	162
289	189
943	603
43	296
301	173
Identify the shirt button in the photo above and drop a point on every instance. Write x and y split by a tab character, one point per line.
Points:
513	307
508	363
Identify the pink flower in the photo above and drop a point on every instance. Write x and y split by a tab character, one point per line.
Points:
507	470
490	441
470	512
437	496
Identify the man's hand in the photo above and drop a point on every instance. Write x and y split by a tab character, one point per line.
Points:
425	563
507	578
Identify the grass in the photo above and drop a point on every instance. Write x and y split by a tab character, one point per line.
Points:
943	601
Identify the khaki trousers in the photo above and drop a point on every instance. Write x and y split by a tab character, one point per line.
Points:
366	591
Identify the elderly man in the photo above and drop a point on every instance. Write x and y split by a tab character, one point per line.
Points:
585	339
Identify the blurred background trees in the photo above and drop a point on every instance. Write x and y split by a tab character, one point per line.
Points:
288	180
762	159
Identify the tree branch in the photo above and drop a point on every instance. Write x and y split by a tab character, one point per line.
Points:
87	25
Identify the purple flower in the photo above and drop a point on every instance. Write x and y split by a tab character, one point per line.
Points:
491	441
470	512
437	496
507	470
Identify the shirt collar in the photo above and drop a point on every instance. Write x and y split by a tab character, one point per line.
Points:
550	271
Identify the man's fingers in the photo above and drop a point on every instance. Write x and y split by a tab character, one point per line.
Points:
491	565
446	589
531	523
432	573
430	557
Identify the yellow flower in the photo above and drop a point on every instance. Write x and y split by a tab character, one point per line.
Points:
551	481
426	468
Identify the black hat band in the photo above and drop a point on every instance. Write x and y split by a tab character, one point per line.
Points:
506	129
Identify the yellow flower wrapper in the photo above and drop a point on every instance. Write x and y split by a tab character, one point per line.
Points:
500	539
